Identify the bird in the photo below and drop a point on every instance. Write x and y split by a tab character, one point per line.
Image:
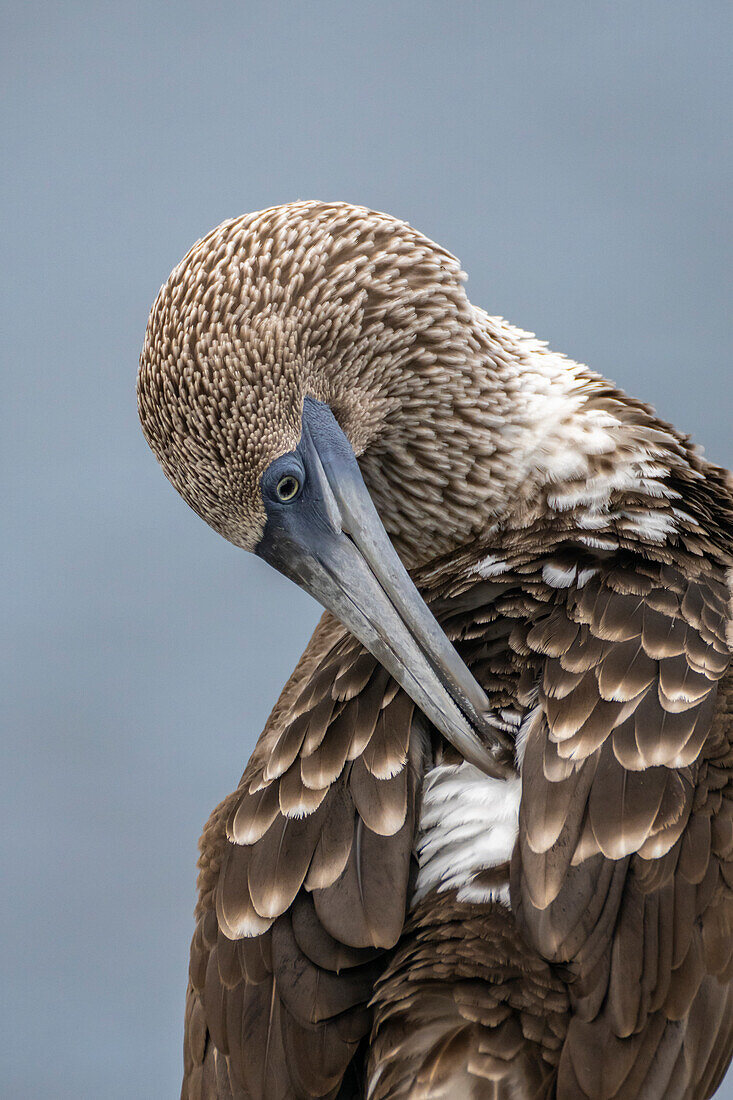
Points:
483	847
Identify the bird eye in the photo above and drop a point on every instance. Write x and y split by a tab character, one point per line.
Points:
288	488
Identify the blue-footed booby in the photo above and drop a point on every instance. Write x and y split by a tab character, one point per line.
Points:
484	846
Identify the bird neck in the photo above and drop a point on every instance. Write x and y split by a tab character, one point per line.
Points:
497	432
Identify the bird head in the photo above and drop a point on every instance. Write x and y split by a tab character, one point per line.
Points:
298	367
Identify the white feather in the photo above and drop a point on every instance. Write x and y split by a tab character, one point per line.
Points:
468	823
491	566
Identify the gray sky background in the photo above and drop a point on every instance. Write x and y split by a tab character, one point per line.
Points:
575	156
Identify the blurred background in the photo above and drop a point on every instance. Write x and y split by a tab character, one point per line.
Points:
575	156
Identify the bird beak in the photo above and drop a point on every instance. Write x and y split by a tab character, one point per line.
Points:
333	544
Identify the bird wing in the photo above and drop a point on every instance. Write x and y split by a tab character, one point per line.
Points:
304	882
623	871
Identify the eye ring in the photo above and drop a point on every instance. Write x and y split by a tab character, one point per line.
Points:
288	488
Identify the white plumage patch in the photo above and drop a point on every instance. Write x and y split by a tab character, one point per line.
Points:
468	823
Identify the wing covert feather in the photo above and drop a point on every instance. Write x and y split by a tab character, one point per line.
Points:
303	883
622	872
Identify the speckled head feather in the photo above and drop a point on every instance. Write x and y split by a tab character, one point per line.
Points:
327	299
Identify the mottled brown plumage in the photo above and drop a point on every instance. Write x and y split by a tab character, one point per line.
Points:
357	924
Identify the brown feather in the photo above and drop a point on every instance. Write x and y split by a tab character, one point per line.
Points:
316	944
368	709
387	750
234	909
295	798
253	814
381	803
366	906
280	861
334	844
623	806
310	993
324	765
625	671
